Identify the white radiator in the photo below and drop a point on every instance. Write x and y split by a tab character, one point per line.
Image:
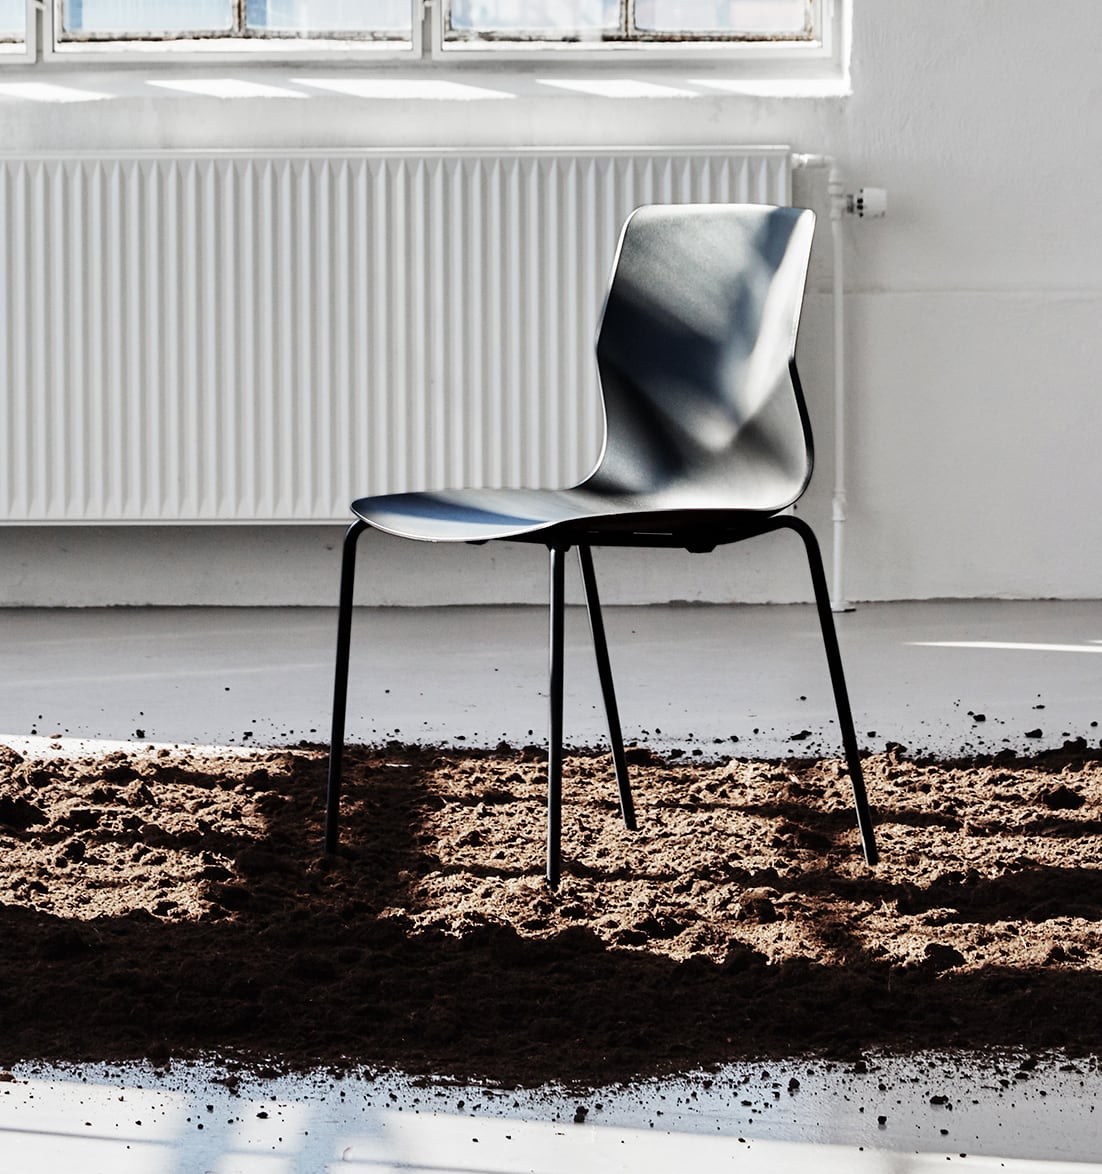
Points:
245	337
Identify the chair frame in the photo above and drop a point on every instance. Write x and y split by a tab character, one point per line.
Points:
658	353
557	551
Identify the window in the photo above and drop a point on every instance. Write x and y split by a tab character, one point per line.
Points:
766	29
13	26
630	20
242	25
148	19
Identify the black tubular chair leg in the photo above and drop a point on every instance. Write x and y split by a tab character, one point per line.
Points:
608	691
838	680
554	741
340	684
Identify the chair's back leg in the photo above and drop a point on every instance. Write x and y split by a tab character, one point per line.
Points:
838	680
340	684
608	691
554	740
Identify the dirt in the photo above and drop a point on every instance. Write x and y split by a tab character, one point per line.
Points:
164	903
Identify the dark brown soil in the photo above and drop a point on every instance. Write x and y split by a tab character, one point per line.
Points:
164	903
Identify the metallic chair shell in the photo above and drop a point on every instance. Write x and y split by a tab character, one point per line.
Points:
701	401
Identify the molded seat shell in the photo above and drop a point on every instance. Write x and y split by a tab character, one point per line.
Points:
705	425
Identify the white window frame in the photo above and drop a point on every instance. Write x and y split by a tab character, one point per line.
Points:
822	47
820	56
272	50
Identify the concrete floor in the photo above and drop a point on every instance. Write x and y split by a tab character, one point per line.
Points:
896	1117
919	673
694	677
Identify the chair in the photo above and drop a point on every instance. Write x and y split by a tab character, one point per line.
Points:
707	442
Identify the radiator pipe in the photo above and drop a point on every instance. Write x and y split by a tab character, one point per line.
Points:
836	189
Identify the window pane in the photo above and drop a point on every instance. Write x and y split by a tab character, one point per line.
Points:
321	16
761	17
12	15
147	16
562	16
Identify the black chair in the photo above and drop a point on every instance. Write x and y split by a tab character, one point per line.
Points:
707	442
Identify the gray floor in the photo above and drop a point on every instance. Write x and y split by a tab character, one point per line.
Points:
693	677
923	674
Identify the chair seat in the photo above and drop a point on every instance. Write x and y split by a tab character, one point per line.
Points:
483	515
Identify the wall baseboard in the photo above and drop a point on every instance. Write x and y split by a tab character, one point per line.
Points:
257	566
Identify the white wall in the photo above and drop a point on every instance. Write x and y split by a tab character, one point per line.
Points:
974	310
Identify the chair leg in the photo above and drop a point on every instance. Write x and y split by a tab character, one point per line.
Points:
554	744
837	677
340	684
604	671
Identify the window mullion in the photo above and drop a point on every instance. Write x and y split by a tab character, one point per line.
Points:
627	18
239	17
424	18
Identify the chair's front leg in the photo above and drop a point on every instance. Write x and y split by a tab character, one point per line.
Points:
340	684
554	742
608	691
838	680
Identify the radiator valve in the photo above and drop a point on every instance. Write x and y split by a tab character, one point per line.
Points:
868	203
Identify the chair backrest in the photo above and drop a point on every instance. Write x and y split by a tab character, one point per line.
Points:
695	350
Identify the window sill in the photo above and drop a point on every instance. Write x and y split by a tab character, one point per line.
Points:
125	111
233	79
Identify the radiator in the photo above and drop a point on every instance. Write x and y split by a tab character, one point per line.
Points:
255	338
